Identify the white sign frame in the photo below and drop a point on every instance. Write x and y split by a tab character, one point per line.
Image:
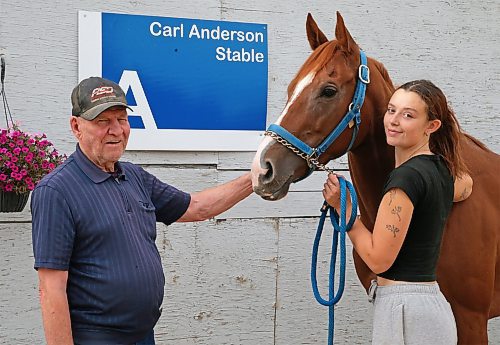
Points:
152	138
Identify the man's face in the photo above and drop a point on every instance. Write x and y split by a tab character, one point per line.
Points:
104	139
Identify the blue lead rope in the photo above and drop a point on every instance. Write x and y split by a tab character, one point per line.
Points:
339	227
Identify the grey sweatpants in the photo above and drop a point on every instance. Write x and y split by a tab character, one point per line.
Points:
412	314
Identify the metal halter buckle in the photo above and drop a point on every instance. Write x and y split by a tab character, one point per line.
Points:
360	74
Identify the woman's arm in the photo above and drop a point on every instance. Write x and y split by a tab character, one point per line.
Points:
463	188
379	248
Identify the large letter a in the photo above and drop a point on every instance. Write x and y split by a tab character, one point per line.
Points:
130	79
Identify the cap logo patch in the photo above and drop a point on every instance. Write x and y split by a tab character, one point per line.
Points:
100	92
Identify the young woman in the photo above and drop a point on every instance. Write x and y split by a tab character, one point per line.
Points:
404	246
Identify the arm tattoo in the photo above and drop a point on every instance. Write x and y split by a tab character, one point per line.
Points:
392	229
396	210
464	194
392	195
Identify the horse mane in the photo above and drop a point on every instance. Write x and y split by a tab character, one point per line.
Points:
383	72
477	142
320	58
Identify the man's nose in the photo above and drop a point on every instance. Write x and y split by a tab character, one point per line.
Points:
115	128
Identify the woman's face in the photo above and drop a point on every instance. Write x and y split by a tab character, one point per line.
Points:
406	121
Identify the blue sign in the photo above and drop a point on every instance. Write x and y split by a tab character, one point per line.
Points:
196	74
202	78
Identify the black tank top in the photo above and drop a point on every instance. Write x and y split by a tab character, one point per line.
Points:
429	185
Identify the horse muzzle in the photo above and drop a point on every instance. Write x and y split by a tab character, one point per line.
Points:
274	168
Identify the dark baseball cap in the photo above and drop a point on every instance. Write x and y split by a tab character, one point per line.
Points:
94	95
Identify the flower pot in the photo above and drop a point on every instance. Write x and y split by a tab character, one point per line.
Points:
13	202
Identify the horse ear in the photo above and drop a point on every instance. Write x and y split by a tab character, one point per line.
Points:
343	36
314	35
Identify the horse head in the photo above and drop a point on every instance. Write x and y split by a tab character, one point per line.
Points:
319	97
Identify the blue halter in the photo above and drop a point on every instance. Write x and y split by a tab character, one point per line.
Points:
352	118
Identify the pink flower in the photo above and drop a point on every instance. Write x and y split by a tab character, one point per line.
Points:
16	176
25	159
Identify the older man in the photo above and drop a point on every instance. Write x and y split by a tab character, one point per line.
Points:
94	229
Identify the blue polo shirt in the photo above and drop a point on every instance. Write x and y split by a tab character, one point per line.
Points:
102	230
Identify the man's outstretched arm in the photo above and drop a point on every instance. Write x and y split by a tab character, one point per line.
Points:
213	201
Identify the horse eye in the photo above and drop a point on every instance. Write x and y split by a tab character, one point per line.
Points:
328	91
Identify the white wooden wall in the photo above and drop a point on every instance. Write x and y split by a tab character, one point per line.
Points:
242	278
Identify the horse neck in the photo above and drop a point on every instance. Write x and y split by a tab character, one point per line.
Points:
371	161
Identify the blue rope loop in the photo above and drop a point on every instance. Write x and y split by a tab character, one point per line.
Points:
340	227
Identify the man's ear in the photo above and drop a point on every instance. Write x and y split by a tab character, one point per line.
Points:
433	126
75	126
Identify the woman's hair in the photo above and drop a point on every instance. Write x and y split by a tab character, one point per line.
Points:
446	140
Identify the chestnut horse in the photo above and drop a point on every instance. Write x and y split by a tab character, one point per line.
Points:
318	97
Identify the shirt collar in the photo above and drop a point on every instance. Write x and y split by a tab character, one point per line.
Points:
96	174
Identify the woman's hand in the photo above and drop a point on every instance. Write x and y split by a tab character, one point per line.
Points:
331	193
